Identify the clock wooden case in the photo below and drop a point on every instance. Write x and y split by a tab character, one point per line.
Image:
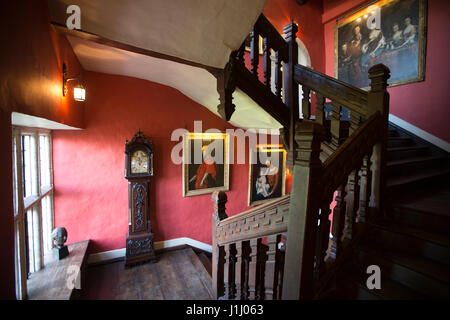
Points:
138	171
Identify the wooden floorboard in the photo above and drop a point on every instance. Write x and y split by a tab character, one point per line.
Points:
176	275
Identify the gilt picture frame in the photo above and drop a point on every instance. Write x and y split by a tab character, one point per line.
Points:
265	182
205	163
390	32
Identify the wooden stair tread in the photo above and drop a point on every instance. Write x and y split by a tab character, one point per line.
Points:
423	266
390	289
437	238
434	201
418	176
414	160
407	148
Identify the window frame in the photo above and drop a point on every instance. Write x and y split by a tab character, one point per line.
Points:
23	204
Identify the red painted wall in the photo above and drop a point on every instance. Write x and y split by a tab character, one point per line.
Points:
308	18
91	193
30	82
422	104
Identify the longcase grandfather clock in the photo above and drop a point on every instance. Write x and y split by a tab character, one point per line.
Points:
138	171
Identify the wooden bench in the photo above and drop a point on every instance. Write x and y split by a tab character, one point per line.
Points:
60	279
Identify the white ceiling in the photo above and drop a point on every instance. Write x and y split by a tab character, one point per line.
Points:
196	83
201	31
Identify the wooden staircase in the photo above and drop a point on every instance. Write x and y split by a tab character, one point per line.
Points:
412	244
390	191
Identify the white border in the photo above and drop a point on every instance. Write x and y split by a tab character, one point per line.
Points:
420	133
173	243
21	119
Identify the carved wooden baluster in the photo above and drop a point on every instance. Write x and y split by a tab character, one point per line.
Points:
253	266
352	204
338	224
226	272
239	271
355	122
306	103
240	53
254	51
281	249
364	190
260	270
219	199
336	131
323	239
320	112
232	271
278	74
246	265
267	62
270	276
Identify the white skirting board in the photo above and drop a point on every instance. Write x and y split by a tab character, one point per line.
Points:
120	253
420	133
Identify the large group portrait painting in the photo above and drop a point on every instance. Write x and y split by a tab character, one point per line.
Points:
267	174
391	32
206	165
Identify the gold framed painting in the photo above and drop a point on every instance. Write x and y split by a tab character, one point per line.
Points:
205	163
391	32
267	177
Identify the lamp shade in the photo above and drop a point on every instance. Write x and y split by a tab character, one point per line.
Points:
79	93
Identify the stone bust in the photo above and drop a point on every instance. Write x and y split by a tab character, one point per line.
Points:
59	237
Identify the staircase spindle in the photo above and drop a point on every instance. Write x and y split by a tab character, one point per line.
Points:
306	103
352	198
320	112
267	62
239	271
280	255
355	121
278	74
226	272
270	276
336	131
254	51
364	190
338	224
323	238
253	266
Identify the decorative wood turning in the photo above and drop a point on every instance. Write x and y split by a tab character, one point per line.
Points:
283	249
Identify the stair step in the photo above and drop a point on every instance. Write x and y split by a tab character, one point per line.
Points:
425	276
400	142
356	288
395	153
423	175
405	166
407	216
412	240
392	132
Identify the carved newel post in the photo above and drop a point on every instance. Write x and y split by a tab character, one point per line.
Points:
378	99
303	212
219	198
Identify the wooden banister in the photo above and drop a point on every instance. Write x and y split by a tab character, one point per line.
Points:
283	248
333	89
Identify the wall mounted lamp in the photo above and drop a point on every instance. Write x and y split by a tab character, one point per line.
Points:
79	92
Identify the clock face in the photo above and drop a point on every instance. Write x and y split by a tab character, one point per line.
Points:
139	162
